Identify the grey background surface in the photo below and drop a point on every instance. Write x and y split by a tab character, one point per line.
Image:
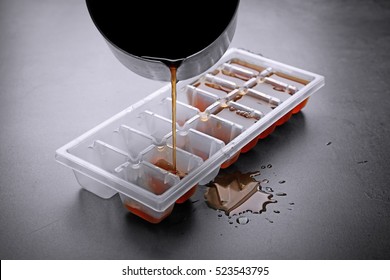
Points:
58	80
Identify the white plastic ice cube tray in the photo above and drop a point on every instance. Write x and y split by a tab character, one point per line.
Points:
219	114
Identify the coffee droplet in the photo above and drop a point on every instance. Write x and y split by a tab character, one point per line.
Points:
282	182
242	220
280	194
269	189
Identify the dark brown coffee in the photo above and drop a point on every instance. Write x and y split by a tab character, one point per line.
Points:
237	193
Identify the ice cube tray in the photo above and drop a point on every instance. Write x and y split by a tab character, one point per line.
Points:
220	114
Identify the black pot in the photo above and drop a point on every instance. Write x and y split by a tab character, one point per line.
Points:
148	36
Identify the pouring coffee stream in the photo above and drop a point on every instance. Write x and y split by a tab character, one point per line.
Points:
144	37
173	69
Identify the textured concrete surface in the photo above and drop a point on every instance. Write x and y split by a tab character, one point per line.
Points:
58	79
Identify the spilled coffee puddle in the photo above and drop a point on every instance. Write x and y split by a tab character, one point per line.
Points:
238	194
